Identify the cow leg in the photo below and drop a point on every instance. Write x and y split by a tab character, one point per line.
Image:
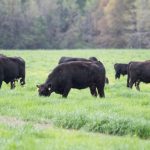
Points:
1	83
12	85
117	75
93	91
100	89
137	85
1	78
128	81
66	92
106	80
131	84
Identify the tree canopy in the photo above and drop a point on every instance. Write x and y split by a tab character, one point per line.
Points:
59	24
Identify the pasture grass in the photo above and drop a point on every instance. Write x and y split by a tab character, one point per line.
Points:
122	112
28	137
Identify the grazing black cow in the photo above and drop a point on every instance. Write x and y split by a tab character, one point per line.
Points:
120	69
11	69
68	59
138	72
78	75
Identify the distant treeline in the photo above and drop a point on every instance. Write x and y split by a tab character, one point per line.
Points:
59	24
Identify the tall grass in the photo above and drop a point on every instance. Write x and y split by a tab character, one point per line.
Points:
29	138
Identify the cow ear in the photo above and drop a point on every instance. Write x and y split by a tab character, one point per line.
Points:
38	86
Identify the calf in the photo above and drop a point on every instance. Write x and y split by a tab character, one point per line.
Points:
120	69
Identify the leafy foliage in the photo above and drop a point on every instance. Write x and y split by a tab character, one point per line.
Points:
28	24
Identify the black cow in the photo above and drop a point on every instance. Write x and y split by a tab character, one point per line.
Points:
91	59
68	59
138	72
120	69
11	69
78	75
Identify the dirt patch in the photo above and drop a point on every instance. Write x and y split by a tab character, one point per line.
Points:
14	122
42	126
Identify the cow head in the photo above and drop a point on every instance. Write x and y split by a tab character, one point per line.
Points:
44	90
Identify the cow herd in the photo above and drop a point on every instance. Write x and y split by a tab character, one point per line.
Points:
136	72
78	73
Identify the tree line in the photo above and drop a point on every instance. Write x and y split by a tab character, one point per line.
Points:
61	24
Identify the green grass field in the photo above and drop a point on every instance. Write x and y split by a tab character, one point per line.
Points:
80	122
